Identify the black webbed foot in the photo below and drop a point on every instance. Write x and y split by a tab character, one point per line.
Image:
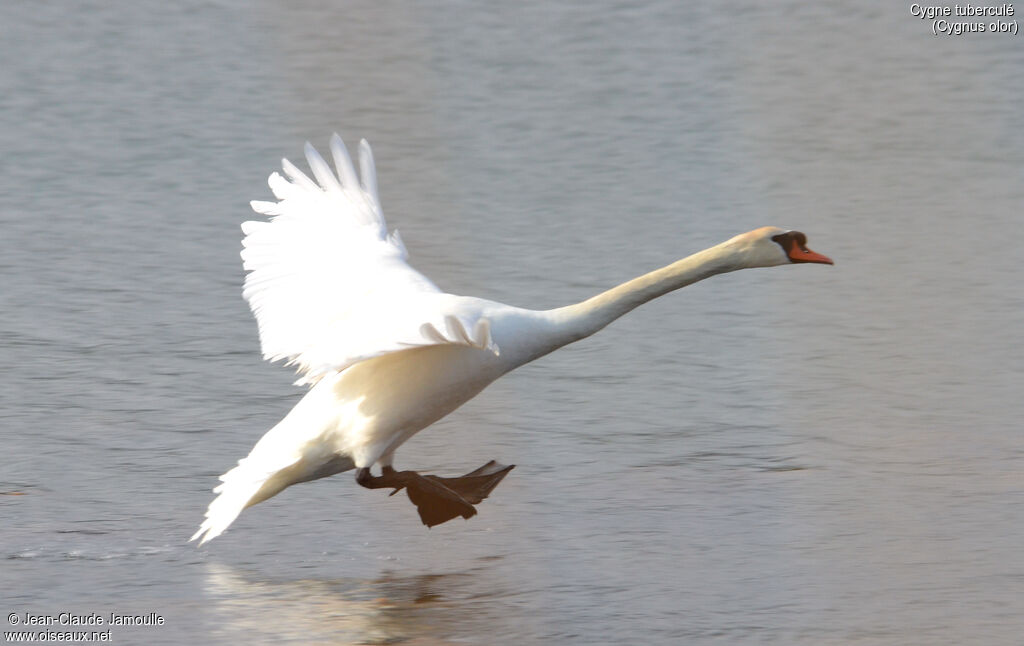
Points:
438	499
476	485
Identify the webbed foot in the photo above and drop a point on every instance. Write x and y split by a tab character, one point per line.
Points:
438	499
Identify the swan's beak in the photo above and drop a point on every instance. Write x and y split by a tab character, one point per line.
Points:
794	244
797	254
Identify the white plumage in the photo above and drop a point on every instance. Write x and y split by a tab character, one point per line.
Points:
386	352
329	286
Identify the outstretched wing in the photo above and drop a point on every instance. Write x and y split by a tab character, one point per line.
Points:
328	284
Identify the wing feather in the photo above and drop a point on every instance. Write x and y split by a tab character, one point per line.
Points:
299	178
328	284
368	173
321	171
343	162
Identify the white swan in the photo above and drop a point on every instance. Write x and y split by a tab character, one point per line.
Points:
387	353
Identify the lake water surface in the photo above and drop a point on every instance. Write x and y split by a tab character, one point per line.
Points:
802	455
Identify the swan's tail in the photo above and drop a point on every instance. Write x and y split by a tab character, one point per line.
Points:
238	489
252	482
296	450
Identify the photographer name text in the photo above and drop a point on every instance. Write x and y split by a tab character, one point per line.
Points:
88	619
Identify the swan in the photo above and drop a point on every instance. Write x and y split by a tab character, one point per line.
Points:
385	352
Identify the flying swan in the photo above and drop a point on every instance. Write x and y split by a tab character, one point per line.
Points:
385	352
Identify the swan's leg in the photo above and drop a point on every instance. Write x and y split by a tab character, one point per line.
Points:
437	499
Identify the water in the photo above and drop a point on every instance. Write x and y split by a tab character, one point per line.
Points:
803	455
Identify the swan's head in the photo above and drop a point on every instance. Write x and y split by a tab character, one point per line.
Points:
772	246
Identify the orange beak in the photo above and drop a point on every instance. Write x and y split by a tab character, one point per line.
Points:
797	253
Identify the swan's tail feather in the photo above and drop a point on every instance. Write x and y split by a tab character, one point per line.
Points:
253	482
297	449
241	487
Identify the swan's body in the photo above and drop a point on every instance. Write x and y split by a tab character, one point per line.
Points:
387	353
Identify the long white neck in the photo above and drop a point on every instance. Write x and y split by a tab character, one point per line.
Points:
586	318
574	322
525	335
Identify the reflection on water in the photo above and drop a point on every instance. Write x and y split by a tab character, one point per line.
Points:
390	609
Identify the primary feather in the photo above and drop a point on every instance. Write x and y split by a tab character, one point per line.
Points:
329	286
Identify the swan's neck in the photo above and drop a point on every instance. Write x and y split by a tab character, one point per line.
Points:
583	319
